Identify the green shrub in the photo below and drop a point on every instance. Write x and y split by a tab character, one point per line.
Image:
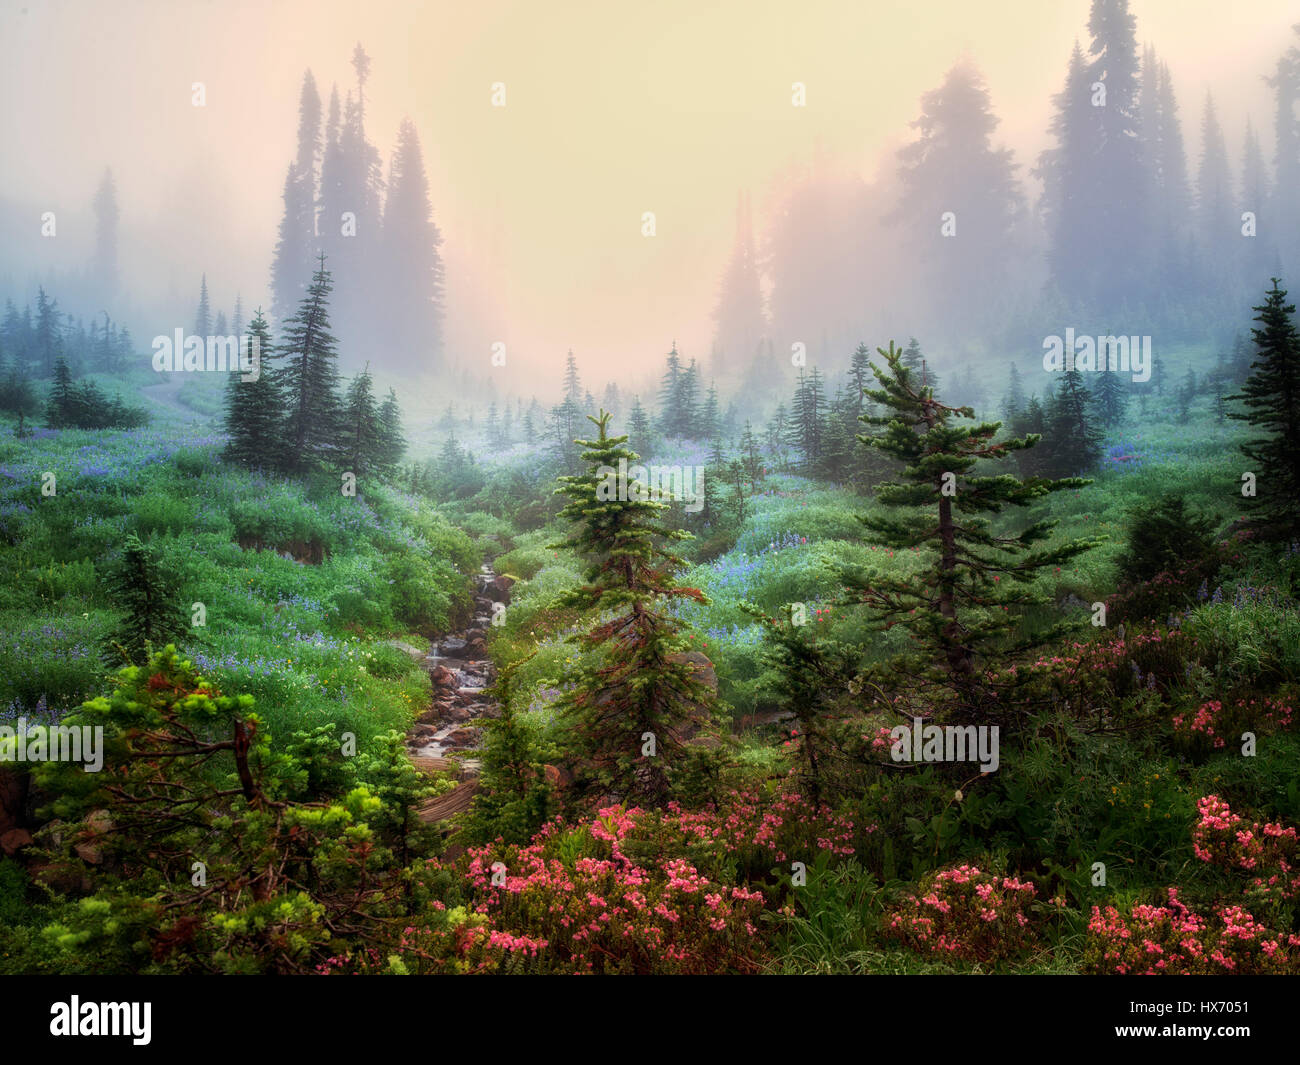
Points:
161	514
195	461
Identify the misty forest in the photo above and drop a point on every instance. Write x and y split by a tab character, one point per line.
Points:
920	597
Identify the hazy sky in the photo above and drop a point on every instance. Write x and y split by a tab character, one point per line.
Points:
612	109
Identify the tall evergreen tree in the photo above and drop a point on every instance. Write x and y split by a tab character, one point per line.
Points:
1014	401
915	361
1073	441
48	334
1110	398
572	382
254	409
291	265
1216	218
740	317
307	160
1285	210
203	315
1120	181
308	377
1271	398
638	422
956	608
641	688
412	264
1068	189
955	170
104	264
360	443
392	440
1256	197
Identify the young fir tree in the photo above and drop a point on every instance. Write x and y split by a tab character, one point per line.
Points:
810	678
922	372
1110	399
309	378
1271	397
1163	538
670	419
1073	439
638	422
1014	401
360	439
203	316
18	397
154	617
65	407
751	455
392	441
254	408
739	483
47	340
964	602
640	694
860	375
513	793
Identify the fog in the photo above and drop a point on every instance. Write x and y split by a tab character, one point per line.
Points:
612	110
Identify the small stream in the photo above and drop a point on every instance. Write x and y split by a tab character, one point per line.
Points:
459	670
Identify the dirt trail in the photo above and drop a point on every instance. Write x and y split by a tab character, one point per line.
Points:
459	670
166	393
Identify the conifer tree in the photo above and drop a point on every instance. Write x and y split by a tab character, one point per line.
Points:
640	690
915	361
957	607
638	422
1217	218
412	263
1110	398
860	375
954	168
146	591
65	404
710	419
1073	441
810	678
686	405
254	409
104	265
513	795
392	441
18	397
360	439
1014	401
48	337
777	433
741	319
1271	398
203	316
572	382
669	389
750	454
308	377
1187	393
291	265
